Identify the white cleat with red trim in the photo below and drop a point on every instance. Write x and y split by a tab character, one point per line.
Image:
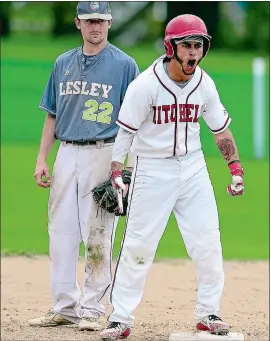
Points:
115	331
214	325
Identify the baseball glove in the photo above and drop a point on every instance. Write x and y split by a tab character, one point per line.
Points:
105	195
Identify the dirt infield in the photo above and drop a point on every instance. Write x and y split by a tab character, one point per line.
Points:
167	305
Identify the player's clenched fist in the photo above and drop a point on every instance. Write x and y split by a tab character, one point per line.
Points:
116	178
237	185
42	174
120	188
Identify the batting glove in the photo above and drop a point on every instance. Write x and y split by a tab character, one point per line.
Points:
119	187
237	185
116	179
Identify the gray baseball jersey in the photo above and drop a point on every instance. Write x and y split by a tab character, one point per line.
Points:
85	93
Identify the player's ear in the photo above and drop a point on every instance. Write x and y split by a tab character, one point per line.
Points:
109	24
77	23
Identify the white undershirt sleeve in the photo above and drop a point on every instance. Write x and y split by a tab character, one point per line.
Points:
130	160
122	145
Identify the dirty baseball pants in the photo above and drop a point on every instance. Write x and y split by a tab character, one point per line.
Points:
73	218
160	186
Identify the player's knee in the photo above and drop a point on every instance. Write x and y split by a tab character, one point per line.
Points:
95	255
205	248
136	252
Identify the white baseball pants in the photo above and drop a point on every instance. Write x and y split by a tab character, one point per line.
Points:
159	186
73	217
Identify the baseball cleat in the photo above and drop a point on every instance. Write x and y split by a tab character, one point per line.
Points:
89	323
115	331
214	325
51	319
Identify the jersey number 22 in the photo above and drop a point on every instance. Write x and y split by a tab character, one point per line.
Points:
104	116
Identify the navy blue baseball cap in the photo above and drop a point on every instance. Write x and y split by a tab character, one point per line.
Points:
94	10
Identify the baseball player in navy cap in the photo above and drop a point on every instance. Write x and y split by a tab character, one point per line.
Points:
82	100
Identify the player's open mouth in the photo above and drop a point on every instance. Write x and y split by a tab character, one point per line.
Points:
191	63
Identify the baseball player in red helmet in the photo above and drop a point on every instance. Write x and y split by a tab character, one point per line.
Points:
159	120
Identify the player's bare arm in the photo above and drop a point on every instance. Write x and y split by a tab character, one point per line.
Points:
47	142
227	146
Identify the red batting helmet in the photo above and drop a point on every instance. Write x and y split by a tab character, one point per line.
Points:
183	26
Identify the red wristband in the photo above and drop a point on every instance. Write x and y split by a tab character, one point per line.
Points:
236	168
115	174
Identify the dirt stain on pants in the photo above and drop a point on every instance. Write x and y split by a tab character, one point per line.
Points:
95	255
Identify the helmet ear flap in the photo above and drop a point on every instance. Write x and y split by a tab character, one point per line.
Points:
169	48
206	46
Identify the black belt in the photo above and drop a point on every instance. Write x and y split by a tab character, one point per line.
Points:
87	143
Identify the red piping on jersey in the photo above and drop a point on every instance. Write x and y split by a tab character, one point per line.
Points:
175	98
126	125
218	130
186	102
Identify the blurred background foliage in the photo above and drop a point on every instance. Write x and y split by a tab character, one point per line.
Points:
233	25
35	33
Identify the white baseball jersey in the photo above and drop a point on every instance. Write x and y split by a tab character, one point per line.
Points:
164	117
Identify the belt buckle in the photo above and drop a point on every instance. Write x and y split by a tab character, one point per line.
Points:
100	144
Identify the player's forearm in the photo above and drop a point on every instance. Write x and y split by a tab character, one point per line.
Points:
228	149
227	146
121	148
48	137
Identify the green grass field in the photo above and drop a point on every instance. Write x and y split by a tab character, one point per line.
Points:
244	220
26	64
24	76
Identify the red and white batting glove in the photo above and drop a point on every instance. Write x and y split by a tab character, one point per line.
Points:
237	185
120	188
